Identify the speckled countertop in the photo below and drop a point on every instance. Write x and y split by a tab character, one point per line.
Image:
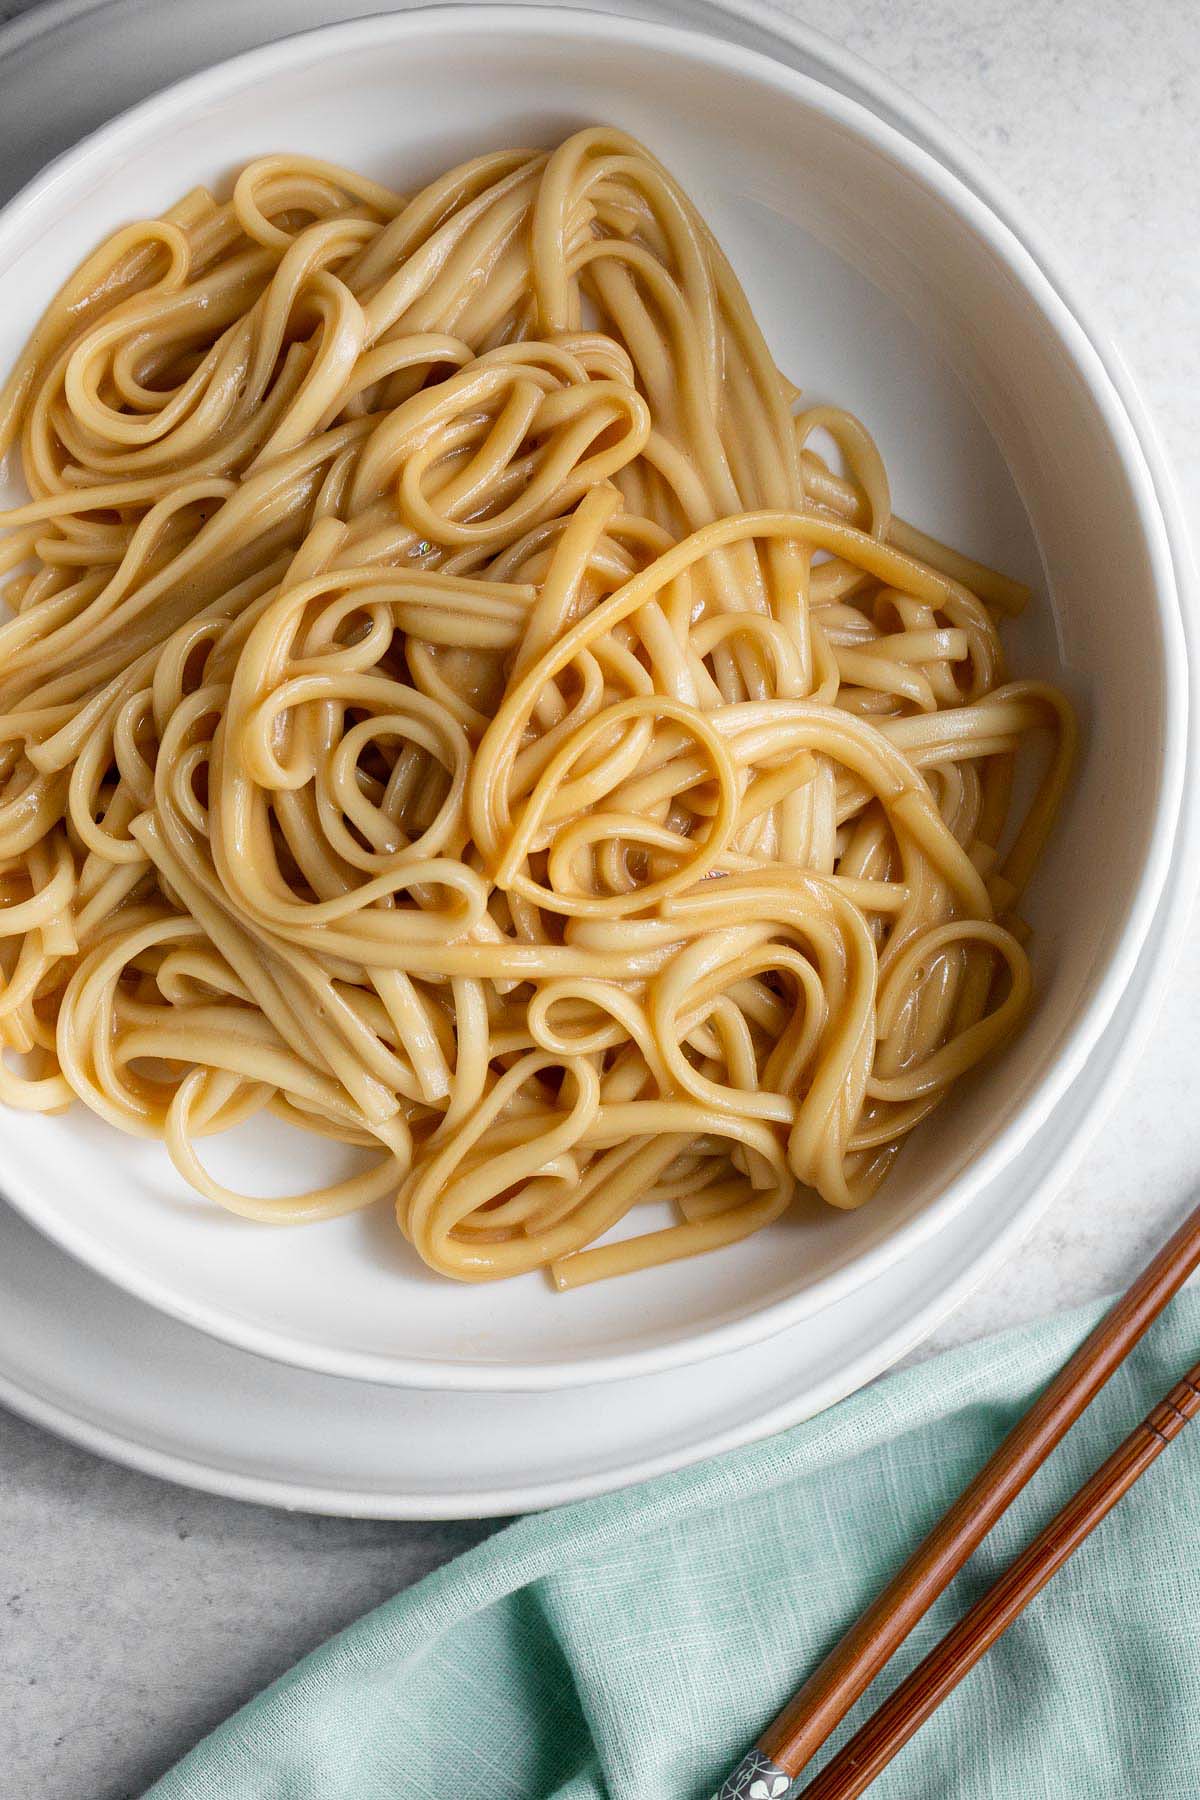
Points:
1090	111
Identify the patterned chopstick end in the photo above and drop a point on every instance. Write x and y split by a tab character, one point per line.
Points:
755	1778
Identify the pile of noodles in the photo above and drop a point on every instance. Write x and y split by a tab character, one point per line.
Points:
449	702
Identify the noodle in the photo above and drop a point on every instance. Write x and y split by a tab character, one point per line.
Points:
452	701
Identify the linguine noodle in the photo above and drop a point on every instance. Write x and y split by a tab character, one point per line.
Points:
459	698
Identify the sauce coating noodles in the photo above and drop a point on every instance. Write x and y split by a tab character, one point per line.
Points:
457	698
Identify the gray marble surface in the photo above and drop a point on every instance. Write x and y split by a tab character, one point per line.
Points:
134	1615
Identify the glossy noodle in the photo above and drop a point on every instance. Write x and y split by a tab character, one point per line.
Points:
460	698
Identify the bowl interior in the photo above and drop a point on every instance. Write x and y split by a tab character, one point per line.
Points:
876	288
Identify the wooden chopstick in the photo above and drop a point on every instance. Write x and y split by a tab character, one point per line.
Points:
818	1707
869	1751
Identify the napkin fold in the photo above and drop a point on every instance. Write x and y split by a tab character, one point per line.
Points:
632	1647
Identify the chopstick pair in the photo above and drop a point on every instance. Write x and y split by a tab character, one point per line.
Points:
818	1707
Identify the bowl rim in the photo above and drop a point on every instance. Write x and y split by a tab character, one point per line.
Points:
1006	238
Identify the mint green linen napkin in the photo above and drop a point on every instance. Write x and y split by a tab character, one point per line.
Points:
631	1647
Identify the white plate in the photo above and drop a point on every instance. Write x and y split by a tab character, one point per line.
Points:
905	297
83	1360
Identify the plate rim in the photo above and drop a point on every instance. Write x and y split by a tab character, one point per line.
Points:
1176	904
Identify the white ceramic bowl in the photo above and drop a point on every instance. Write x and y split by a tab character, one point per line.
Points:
881	281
